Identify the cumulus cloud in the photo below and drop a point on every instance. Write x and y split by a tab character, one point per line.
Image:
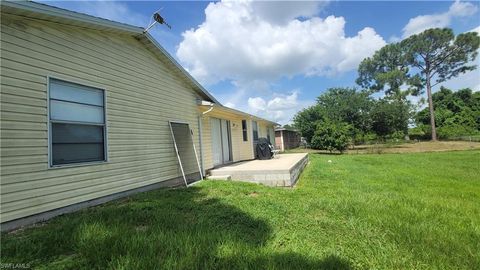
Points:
281	12
281	108
420	23
245	41
230	105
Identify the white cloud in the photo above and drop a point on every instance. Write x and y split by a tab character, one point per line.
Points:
281	108
281	12
468	80
257	104
420	23
229	104
245	41
476	29
283	103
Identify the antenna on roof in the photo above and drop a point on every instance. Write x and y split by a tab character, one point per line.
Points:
157	19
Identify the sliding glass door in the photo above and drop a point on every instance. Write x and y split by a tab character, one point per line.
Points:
221	142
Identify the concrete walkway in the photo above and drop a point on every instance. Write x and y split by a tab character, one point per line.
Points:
283	170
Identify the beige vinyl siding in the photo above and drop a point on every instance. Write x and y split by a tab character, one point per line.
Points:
245	148
142	95
207	143
240	150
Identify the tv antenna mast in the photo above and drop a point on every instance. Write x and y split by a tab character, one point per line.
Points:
157	18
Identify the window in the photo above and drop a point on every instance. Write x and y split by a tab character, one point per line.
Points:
255	130
77	123
244	130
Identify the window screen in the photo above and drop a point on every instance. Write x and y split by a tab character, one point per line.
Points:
77	123
244	130
255	130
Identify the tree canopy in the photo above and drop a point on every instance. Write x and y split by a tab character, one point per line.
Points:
382	108
353	114
419	62
456	113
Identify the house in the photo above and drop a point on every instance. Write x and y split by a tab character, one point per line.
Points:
230	135
287	139
93	110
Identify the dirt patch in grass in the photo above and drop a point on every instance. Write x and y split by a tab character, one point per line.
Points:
416	147
412	147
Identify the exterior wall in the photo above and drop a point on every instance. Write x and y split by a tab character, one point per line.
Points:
240	150
264	128
287	139
291	139
279	140
142	95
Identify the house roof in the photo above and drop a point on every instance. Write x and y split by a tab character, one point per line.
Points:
285	129
67	17
221	108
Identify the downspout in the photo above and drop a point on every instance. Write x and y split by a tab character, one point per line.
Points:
200	131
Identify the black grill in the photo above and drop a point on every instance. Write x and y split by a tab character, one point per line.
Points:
264	149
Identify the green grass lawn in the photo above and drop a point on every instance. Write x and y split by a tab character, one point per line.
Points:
391	211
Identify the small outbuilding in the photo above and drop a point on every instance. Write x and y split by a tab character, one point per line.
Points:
287	139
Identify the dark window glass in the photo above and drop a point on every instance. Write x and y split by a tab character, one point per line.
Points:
73	143
77	123
244	130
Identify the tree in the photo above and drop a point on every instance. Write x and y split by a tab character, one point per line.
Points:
331	136
359	110
386	71
440	56
305	121
390	117
420	61
456	113
347	105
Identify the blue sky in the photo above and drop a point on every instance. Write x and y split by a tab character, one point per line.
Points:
274	58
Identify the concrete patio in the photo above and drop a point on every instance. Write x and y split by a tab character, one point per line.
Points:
281	171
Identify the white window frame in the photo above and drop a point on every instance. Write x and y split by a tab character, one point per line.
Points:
49	126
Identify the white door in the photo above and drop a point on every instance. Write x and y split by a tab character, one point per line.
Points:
220	141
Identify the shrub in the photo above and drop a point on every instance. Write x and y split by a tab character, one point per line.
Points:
331	136
453	131
364	138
